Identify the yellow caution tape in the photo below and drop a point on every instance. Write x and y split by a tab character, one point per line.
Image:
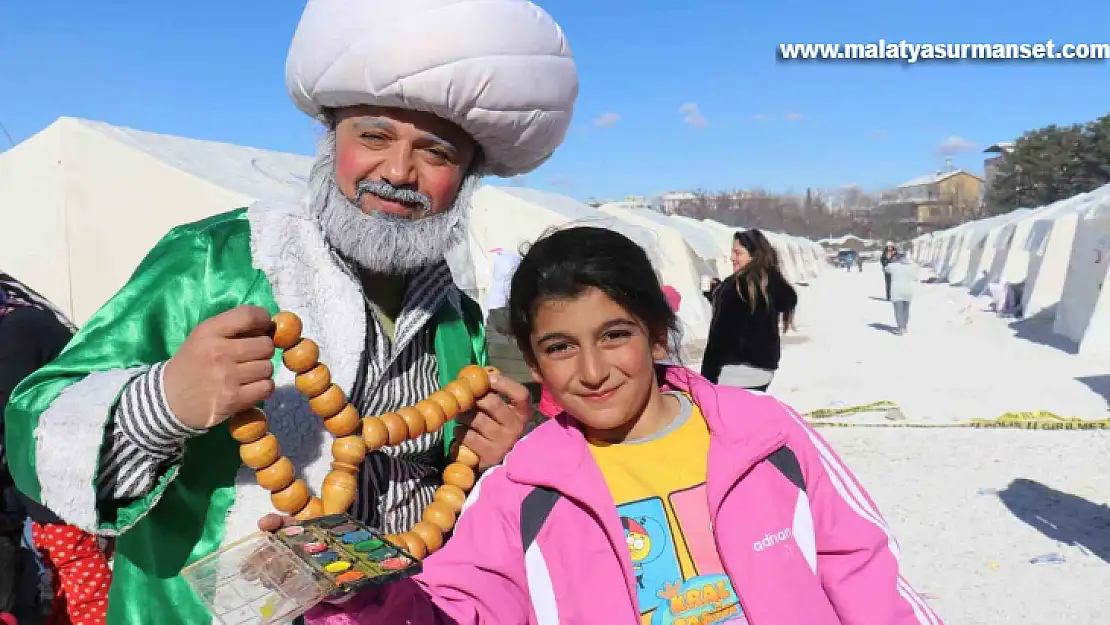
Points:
1038	420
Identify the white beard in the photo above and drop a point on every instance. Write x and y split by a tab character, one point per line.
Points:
382	243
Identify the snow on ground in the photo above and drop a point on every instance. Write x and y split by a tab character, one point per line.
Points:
957	362
970	508
968	547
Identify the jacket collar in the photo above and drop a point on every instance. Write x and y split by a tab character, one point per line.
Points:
556	455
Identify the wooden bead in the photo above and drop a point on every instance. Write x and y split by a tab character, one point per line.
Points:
490	369
349	449
313	509
292	498
344	467
440	516
302	356
276	476
287	329
476	378
414	421
261	453
447	403
395	540
374	433
344	423
248	426
314	381
458	474
464	455
431	535
461	393
432	413
338	491
398	431
451	496
328	403
414	545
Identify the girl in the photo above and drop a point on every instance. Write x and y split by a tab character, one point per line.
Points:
743	347
649	499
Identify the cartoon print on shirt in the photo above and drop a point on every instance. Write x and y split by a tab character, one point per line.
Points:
651	548
679	576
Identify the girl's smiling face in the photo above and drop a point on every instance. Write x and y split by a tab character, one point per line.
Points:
597	361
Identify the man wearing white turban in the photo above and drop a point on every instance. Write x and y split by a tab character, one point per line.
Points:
125	434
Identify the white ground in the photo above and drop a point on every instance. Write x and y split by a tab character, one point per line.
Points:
970	507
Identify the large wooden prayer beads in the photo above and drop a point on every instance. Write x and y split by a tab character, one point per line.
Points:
261	451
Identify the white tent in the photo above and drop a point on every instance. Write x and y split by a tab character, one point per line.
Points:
83	202
1049	250
970	248
1083	314
509	217
987	245
721	237
1011	263
707	256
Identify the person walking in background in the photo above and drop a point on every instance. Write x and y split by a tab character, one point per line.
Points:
32	333
710	289
743	348
884	260
902	275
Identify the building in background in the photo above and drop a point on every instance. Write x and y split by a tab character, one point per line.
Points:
933	201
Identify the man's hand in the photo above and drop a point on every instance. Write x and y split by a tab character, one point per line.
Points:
494	427
274	522
222	368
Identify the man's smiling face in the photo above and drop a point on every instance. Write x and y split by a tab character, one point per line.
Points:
420	158
391	188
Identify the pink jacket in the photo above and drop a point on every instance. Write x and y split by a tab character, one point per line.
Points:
819	556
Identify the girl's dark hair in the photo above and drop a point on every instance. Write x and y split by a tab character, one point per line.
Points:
565	263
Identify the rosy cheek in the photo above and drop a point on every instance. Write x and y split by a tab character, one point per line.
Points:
441	186
350	167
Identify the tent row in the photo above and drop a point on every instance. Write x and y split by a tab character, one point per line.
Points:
1047	263
90	199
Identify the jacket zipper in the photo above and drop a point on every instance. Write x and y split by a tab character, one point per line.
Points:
716	540
735	589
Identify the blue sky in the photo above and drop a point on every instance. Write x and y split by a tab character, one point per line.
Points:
214	70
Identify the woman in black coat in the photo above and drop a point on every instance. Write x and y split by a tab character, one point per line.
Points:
744	348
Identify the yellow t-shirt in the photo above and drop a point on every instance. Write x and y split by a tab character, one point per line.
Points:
658	485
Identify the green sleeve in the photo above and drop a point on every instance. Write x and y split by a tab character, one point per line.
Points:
57	417
459	341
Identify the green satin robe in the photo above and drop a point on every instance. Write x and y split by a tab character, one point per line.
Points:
196	271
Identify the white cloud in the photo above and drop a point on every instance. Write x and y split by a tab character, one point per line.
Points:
607	120
795	116
692	115
759	117
954	145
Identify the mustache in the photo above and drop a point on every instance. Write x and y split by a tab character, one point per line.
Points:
388	192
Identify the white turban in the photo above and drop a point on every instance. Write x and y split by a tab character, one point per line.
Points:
500	69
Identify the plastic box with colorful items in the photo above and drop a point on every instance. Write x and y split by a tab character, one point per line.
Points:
270	578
